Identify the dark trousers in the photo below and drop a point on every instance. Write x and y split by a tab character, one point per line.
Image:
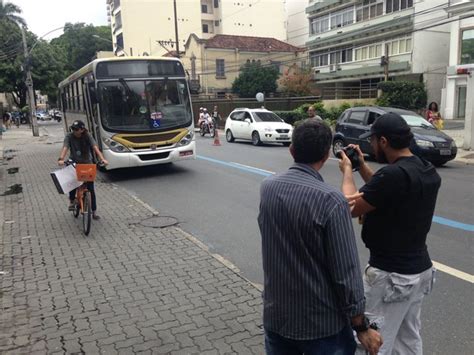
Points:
90	187
342	343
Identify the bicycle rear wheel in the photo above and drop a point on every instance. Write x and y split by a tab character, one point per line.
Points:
86	213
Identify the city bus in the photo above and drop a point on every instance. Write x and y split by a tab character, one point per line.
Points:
138	109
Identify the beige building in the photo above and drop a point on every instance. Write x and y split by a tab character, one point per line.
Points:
214	63
296	22
138	26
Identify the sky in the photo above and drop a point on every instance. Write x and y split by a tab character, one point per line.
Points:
43	16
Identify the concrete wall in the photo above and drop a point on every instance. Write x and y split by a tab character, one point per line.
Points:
146	21
296	22
431	46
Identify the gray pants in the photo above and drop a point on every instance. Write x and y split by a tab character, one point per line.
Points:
398	298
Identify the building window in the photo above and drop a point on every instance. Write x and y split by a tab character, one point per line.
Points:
397	5
342	18
399	46
220	68
118	21
216	4
120	42
335	57
467	47
216	23
320	25
116	3
369	9
204	8
205	28
368	52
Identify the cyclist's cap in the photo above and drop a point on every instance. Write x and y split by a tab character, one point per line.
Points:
388	125
78	124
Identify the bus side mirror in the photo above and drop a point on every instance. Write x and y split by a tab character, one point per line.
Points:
93	94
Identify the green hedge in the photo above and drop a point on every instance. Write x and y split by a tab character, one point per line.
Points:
290	117
404	94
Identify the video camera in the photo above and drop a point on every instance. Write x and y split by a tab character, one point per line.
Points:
353	156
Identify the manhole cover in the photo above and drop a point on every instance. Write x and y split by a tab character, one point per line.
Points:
159	222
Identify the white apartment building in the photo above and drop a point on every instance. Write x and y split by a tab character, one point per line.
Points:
461	56
138	25
347	39
296	22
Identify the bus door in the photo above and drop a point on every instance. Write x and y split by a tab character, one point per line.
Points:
91	110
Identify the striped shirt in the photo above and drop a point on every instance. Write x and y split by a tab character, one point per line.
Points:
312	279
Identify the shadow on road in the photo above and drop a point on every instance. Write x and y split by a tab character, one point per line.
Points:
137	173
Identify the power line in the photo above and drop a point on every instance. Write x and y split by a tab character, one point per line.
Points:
449	20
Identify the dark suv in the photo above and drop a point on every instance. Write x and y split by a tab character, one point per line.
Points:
428	143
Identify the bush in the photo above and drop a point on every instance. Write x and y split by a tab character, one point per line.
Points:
405	94
290	117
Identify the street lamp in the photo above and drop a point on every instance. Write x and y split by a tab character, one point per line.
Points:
108	40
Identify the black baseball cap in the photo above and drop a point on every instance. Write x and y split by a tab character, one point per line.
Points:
78	124
388	125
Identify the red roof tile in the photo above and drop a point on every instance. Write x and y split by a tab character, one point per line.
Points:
250	44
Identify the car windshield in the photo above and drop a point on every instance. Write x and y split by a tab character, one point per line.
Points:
417	121
266	117
144	105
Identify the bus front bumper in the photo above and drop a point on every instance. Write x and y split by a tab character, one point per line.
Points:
149	157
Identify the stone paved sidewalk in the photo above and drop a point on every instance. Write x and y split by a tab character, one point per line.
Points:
123	289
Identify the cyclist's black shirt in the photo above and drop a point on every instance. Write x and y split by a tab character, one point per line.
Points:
404	194
80	148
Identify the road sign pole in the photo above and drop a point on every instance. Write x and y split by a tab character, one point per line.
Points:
29	85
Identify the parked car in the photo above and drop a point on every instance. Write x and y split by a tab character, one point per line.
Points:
428	143
258	126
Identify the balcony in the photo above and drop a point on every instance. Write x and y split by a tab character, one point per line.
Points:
363	32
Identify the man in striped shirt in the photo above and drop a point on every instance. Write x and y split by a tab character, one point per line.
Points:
313	290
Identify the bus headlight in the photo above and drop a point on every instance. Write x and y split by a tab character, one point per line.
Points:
115	146
188	138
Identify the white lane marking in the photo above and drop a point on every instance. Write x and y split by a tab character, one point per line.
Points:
254	168
454	272
441	267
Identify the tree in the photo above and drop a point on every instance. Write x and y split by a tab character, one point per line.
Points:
407	94
254	78
298	83
79	45
9	13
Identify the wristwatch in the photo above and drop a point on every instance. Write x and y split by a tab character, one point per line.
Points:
362	327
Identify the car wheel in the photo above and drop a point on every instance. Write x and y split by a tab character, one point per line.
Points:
337	145
256	138
439	163
229	136
286	144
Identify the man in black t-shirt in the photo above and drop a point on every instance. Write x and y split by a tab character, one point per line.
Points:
396	210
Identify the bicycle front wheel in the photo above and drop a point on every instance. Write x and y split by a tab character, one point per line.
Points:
87	213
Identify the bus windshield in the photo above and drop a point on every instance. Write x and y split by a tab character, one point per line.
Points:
144	105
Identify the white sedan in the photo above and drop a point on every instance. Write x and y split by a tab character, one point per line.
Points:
257	125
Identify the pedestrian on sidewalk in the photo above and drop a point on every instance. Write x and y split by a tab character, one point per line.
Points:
397	208
433	116
312	114
313	290
81	144
7	119
216	117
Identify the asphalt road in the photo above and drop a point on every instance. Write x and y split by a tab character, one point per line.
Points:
216	199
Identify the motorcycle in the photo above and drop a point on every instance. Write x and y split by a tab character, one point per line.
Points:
207	127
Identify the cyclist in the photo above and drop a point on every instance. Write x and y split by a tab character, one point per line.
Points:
80	145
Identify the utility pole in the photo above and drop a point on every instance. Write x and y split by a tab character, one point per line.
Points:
385	63
29	85
176	29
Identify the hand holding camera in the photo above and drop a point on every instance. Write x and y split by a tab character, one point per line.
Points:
351	157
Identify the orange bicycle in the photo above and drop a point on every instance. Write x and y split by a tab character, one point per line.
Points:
82	203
